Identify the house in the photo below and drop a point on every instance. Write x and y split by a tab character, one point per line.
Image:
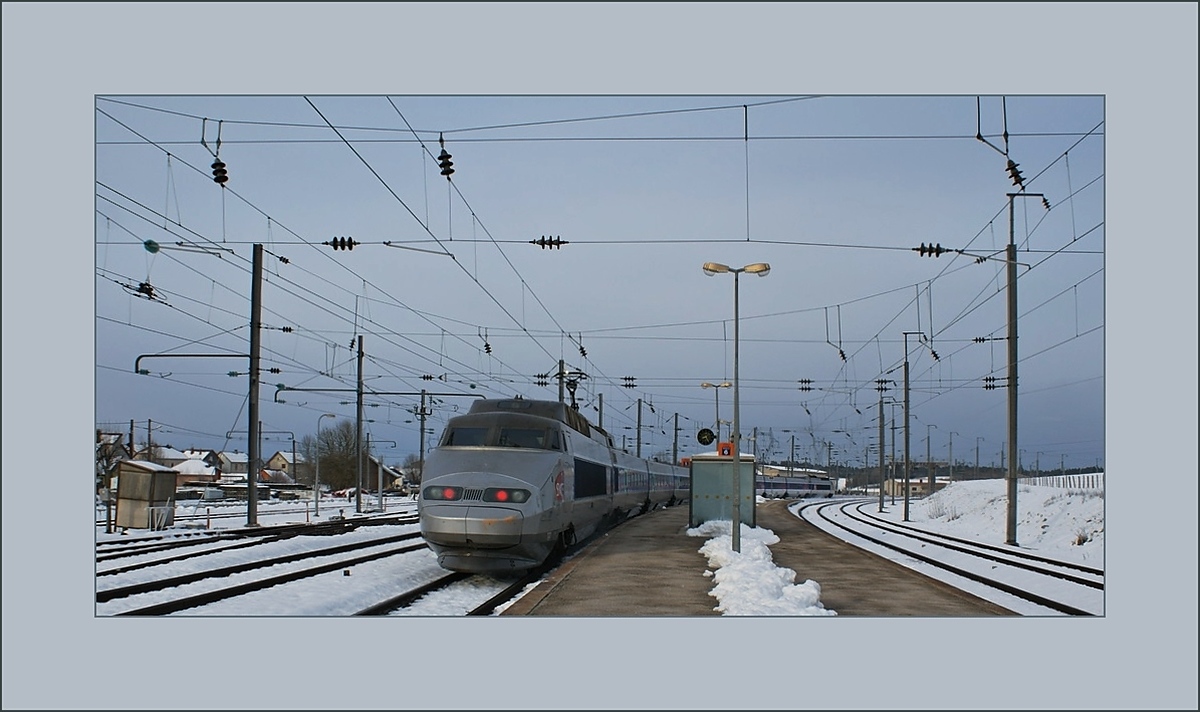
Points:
917	486
194	470
234	462
162	454
392	477
298	469
274	477
208	457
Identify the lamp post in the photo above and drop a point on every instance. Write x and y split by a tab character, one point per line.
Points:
717	393
761	269
317	475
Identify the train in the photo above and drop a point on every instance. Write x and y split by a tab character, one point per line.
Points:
794	486
514	480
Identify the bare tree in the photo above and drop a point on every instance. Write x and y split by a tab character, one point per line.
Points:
339	466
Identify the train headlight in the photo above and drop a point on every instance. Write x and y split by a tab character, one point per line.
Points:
443	493
504	494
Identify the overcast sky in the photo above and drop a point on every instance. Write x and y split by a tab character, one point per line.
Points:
836	218
833	191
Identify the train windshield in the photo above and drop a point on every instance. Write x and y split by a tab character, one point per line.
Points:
525	437
465	436
502	436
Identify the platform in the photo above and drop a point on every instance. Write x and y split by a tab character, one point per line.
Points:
649	566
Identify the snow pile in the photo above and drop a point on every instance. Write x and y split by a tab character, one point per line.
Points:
748	583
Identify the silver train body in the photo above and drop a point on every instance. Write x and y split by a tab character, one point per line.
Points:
794	486
512	480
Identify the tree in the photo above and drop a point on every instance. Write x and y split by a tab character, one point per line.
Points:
412	468
339	466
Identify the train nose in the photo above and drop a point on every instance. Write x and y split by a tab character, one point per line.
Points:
472	525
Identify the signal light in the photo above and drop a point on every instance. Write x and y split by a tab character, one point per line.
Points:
220	175
343	243
1015	174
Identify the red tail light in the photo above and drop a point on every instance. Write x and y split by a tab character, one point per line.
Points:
444	493
505	494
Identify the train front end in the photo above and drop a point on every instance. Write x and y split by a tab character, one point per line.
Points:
492	493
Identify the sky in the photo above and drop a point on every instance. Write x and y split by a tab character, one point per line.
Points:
55	72
834	192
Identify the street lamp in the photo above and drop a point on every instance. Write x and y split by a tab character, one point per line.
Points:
317	476
761	269
717	392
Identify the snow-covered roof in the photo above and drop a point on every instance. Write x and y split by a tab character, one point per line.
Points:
196	454
236	456
194	466
146	465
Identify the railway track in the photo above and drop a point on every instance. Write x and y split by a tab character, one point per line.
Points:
268	571
1022	581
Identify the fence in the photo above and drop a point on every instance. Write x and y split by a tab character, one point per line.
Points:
1094	480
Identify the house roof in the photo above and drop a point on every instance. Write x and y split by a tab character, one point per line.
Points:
287	456
194	466
236	456
145	465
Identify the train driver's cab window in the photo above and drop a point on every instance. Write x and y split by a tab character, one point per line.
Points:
465	437
524	437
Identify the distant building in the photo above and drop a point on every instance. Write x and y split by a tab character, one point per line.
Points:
232	463
161	454
917	486
299	470
195	470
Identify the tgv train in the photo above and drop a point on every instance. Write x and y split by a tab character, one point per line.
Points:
512	480
794	486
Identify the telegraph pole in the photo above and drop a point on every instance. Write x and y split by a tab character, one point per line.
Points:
422	416
675	443
1010	254
639	428
881	469
253	453
358	432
